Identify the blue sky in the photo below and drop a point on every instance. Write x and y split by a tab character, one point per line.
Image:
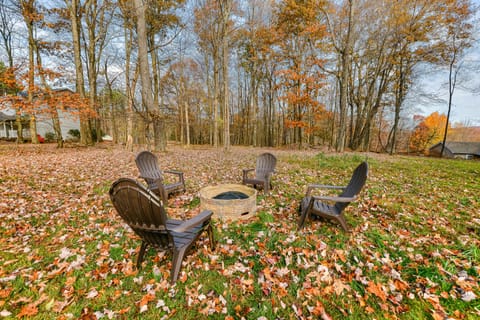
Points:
466	98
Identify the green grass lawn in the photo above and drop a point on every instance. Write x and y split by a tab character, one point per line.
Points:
413	251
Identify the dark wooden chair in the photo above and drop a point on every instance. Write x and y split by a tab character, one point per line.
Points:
143	211
264	169
332	207
147	164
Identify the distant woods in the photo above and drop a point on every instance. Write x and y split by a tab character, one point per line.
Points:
338	74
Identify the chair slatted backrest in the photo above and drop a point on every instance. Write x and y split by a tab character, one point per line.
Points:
147	164
359	177
142	211
266	163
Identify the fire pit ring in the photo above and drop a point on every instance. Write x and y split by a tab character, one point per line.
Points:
229	201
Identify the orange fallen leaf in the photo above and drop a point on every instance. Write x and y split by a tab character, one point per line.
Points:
146	299
5	293
28	311
376	289
369	309
400	285
123	311
437	316
320	312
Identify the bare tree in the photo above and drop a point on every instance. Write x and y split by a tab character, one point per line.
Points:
30	16
7	24
459	37
145	76
75	13
128	15
97	19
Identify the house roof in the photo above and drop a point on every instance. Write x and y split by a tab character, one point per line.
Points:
464	147
5	117
55	90
457	147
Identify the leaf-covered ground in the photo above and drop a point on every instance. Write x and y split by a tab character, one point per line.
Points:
413	251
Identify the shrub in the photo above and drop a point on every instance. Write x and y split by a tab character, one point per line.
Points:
74	133
50	136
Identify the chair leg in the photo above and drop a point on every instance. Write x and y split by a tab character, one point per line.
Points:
141	253
303	217
305	211
343	223
211	238
177	263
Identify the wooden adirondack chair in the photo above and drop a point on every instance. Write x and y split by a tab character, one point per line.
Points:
332	207
147	164
264	169
143	211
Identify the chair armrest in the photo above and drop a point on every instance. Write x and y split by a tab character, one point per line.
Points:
175	172
245	172
335	199
322	186
179	173
199	219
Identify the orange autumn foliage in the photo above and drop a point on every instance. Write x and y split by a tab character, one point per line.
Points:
45	100
428	132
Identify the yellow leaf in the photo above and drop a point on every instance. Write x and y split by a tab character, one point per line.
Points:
50	304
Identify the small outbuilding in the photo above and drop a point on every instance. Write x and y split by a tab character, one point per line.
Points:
456	149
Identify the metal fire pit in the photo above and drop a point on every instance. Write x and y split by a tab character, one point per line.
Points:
219	200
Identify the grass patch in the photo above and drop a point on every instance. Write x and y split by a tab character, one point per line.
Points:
413	246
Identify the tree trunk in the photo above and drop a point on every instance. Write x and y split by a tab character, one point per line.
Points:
31	76
216	80
74	10
153	55
343	83
128	49
225	11
452	81
209	101
52	108
92	79
145	77
226	110
187	124
6	30
19	127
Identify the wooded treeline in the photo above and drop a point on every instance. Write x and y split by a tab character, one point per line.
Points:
222	72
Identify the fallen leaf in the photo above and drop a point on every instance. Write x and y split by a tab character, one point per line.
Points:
468	296
28	311
339	287
377	290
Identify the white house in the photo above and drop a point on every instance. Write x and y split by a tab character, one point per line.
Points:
68	121
7	125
